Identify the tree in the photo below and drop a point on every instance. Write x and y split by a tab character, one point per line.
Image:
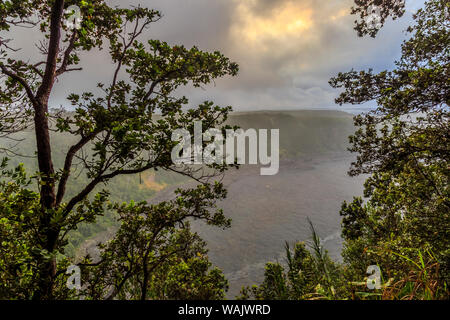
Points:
120	128
308	274
404	146
381	8
402	225
155	255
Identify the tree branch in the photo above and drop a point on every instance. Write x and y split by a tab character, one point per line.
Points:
101	178
68	164
48	80
70	48
22	81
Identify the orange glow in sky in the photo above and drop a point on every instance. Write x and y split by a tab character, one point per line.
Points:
288	21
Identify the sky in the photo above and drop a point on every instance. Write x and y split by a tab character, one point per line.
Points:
287	50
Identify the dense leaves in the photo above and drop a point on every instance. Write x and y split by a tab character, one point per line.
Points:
308	273
404	146
122	128
154	253
402	224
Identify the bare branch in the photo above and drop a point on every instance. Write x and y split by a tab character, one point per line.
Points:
68	51
68	165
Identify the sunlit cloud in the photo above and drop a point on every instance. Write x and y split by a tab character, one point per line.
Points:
277	41
287	50
289	20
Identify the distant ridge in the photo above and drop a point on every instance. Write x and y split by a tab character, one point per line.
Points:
302	132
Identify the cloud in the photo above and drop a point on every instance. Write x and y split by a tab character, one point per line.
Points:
287	49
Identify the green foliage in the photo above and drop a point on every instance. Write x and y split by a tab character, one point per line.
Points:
305	133
404	146
17	212
124	189
308	274
386	9
402	225
123	131
154	250
190	279
153	255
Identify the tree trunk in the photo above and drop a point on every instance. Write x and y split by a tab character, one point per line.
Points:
49	234
47	268
44	154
